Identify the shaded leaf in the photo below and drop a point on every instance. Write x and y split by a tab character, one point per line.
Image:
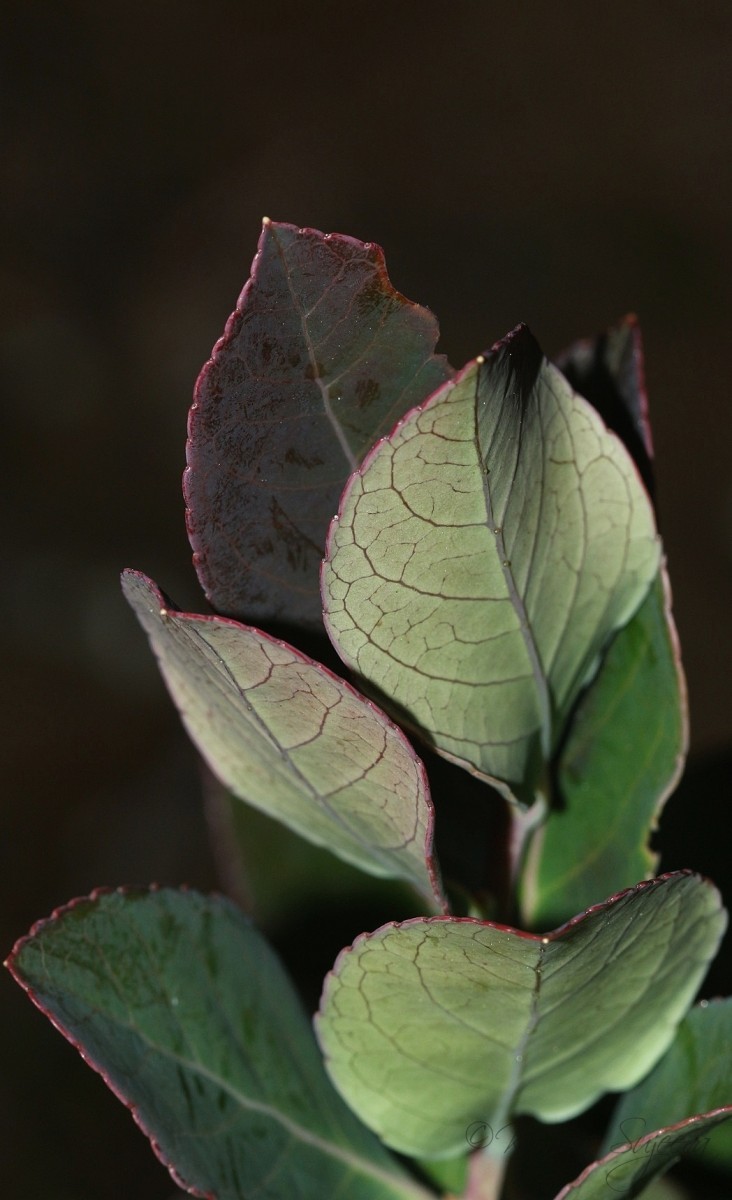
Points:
183	1008
664	1188
623	757
482	558
275	875
319	359
448	1174
609	372
432	1025
694	1076
628	1172
288	736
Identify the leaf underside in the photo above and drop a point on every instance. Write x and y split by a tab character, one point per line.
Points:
291	738
320	358
609	371
432	1024
483	556
183	1008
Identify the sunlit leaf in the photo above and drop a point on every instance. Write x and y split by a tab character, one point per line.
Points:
431	1025
482	558
288	736
183	1008
319	359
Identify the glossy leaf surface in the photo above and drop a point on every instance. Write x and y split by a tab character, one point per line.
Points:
183	1008
623	756
289	737
483	556
431	1025
319	359
693	1077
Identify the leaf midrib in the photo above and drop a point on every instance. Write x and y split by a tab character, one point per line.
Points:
514	596
299	1132
294	774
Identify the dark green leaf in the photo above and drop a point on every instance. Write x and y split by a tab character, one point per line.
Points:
626	1173
182	1007
623	756
693	1077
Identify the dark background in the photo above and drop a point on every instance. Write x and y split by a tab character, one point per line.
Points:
558	164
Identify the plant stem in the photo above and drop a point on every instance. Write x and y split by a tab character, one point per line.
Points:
523	825
485	1175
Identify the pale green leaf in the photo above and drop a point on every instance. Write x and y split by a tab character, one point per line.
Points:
431	1025
482	558
623	756
183	1008
289	737
694	1076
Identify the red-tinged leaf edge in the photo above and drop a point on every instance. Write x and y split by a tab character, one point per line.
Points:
198	542
639	1147
38	928
406	720
552	936
524	356
431	863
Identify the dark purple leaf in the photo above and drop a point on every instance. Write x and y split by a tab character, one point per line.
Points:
320	359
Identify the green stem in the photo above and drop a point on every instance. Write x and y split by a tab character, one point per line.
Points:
523	825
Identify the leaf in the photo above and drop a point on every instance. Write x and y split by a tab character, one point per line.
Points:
289	737
185	1011
432	1025
246	844
693	1077
626	1173
628	739
319	359
623	756
609	372
449	1175
482	558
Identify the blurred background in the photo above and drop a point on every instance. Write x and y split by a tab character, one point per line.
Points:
557	164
